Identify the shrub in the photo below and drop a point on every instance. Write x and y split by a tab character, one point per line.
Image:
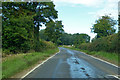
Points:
108	44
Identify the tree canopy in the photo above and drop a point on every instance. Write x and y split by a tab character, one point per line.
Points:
54	30
65	38
104	26
22	22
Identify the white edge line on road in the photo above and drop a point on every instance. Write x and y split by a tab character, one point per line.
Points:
102	60
105	62
116	76
39	65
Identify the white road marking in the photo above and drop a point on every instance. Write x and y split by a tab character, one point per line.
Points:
59	52
39	65
102	60
115	76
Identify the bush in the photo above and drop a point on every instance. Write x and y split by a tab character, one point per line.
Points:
43	45
48	45
25	47
108	44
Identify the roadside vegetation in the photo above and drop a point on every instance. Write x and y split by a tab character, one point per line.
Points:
106	39
107	56
22	22
22	46
68	39
17	63
24	43
105	44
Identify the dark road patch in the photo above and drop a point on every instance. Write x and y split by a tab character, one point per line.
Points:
87	75
84	71
82	68
76	70
76	62
73	64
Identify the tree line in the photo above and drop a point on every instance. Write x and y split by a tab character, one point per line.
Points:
65	38
21	22
106	39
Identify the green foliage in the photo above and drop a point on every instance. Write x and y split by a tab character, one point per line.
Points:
74	39
104	26
111	57
0	30
46	45
80	38
119	33
54	31
63	38
45	12
108	44
43	36
21	22
106	39
11	65
16	35
67	39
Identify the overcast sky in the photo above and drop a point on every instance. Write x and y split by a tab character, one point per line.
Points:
78	16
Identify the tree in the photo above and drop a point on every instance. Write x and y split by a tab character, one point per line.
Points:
81	38
45	12
0	31
43	36
22	22
67	39
54	31
118	34
17	27
104	26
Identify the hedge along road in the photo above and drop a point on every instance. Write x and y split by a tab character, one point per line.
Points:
74	64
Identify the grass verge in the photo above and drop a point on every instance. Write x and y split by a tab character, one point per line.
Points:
14	64
0	63
110	57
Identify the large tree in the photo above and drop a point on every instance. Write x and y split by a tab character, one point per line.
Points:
45	12
104	26
118	33
22	22
17	27
54	31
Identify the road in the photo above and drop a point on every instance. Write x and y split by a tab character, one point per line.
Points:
73	64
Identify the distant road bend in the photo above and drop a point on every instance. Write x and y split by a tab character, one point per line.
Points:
74	64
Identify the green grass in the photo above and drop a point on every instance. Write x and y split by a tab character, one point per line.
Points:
60	45
110	57
0	71
15	64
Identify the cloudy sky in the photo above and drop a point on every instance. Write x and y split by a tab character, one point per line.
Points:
78	16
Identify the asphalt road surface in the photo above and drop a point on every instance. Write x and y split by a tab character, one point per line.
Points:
73	64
